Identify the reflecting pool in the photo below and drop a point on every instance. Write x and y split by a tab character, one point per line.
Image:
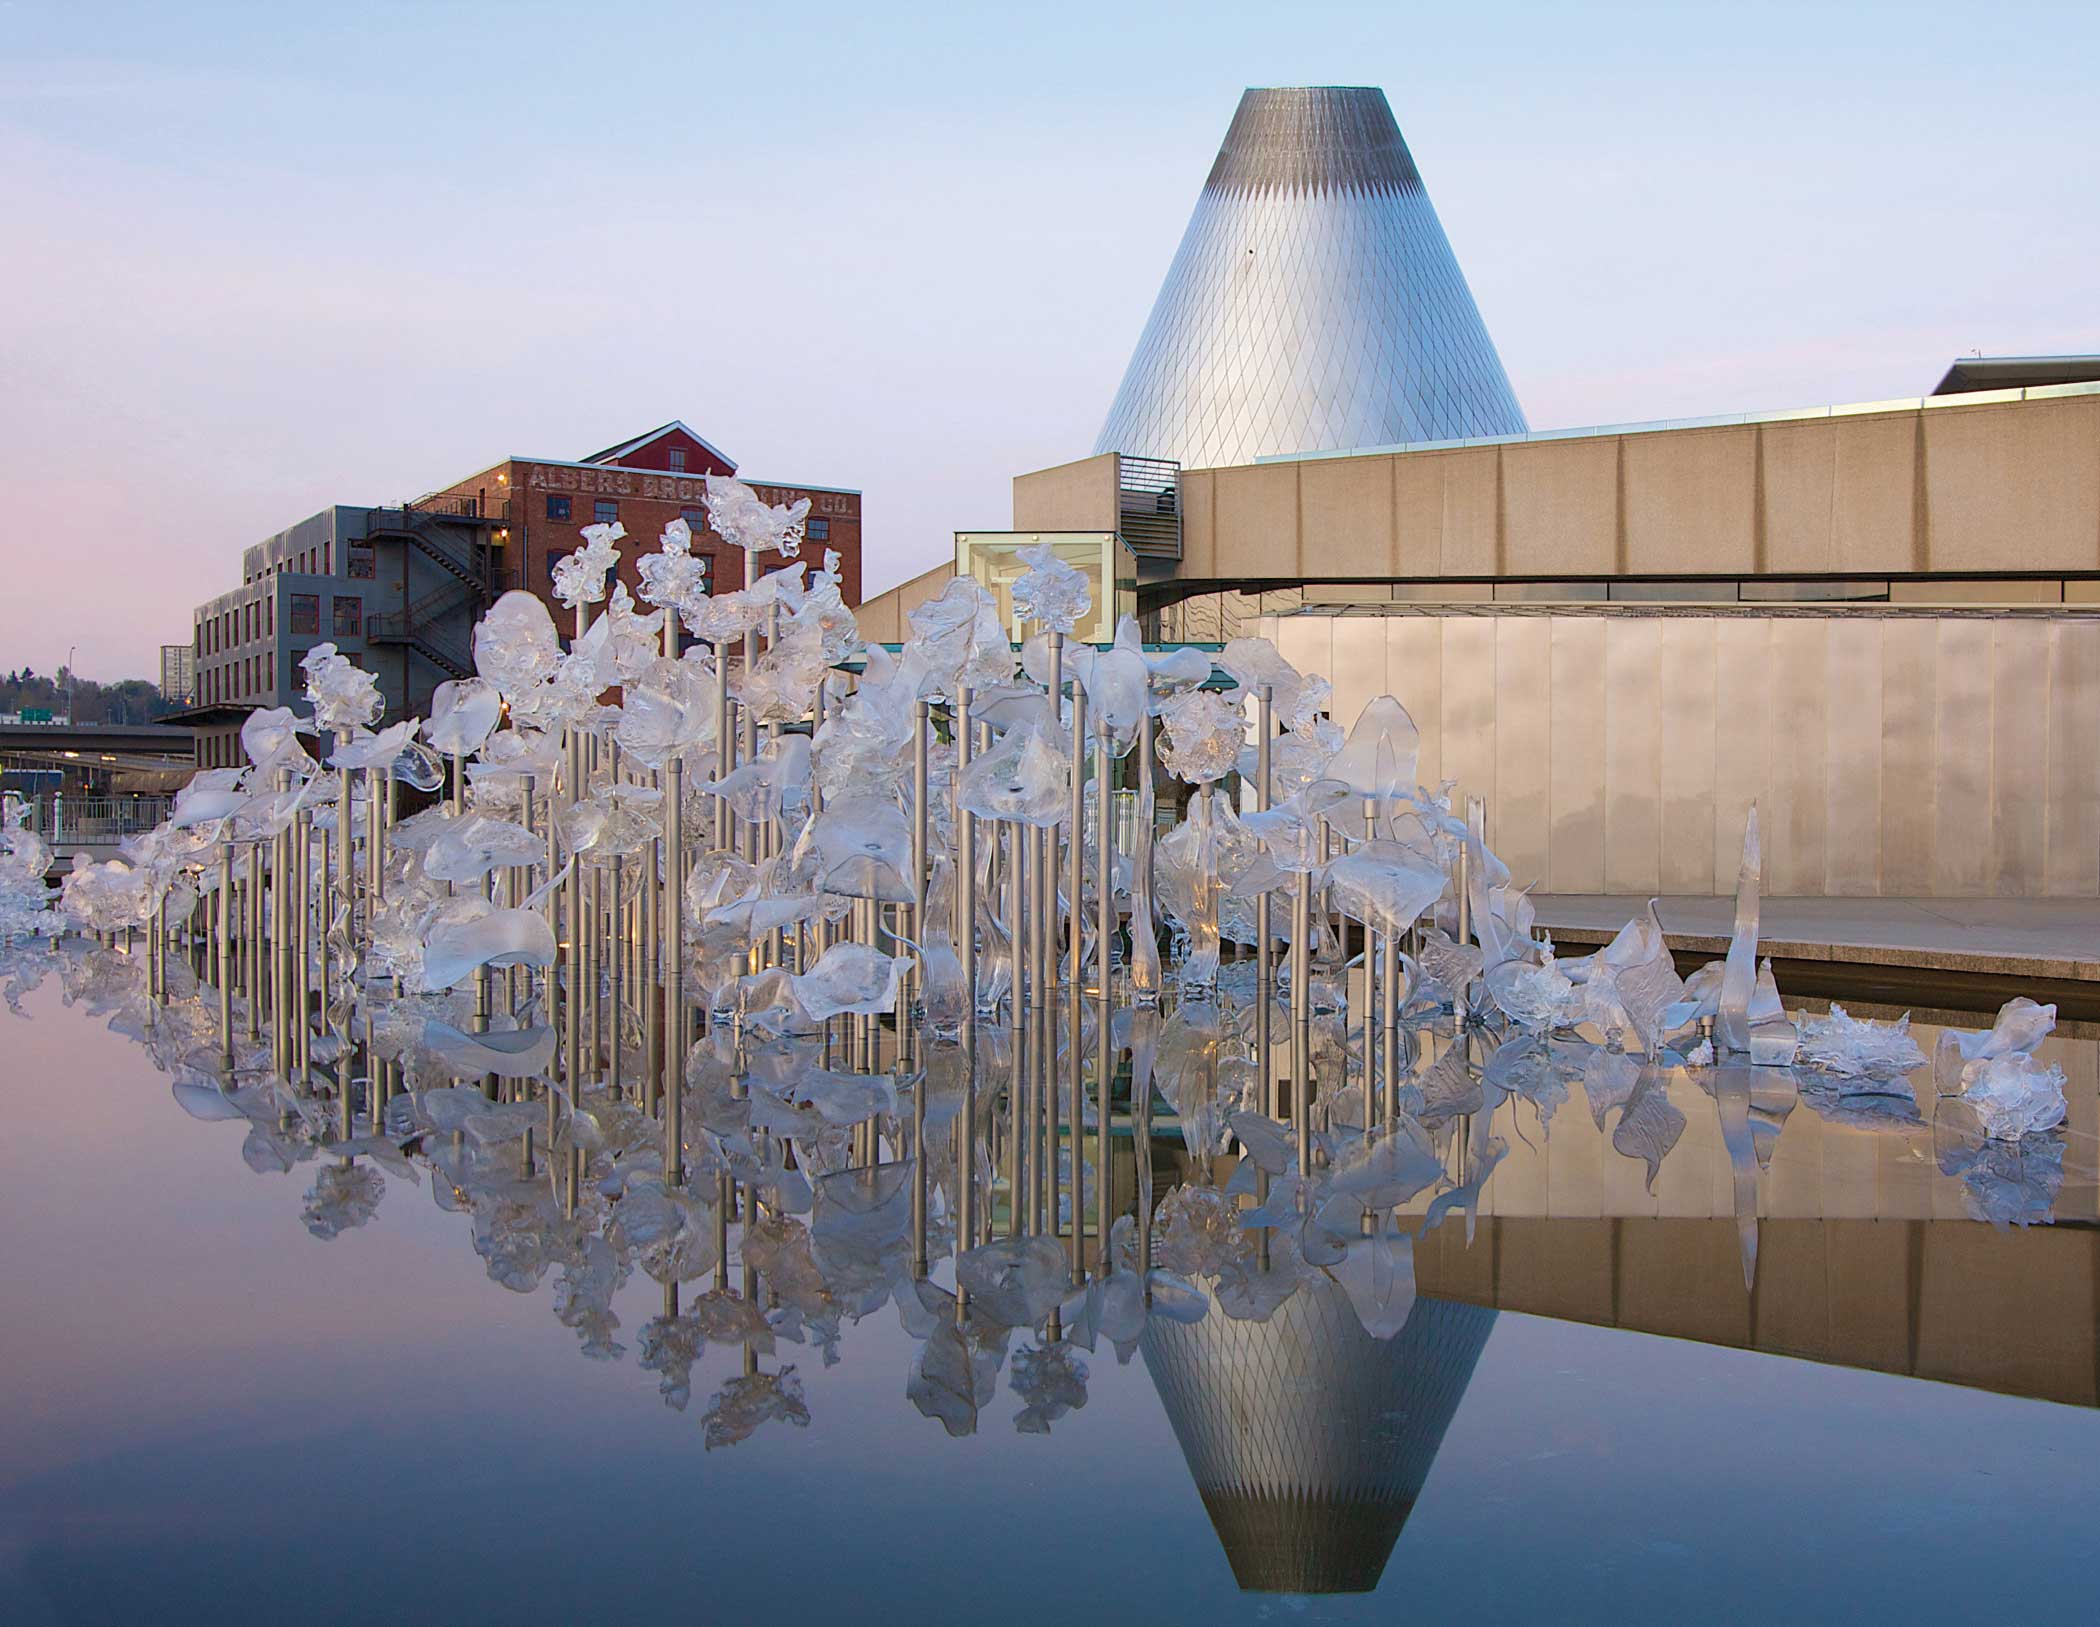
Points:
1623	1341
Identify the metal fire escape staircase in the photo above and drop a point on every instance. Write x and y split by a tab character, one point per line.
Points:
446	531
432	526
420	627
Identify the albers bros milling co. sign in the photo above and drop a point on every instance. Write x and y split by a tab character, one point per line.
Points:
663	488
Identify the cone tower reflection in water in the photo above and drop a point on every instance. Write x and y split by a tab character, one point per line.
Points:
1308	1439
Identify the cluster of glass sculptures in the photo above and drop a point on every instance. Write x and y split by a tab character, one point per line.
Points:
713	917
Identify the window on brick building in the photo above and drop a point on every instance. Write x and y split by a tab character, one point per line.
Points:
557	507
349	617
819	530
303	615
607	510
677	461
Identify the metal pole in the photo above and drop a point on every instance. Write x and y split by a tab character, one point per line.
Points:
966	1144
674	972
922	723
1104	868
1075	853
966	860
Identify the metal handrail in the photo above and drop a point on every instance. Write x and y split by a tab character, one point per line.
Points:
59	818
457	505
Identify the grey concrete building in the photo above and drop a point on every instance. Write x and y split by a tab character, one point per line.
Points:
397	589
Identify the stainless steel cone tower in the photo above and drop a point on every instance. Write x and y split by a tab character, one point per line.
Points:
1314	304
1308	1439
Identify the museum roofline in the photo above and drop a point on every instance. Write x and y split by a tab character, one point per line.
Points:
1970	398
1971	375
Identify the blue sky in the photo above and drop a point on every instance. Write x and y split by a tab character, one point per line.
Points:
265	258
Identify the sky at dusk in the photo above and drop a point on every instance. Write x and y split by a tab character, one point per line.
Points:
259	259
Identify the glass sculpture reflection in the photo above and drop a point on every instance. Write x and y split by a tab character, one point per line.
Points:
811	981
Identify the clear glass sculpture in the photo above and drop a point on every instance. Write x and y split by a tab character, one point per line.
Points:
1051	592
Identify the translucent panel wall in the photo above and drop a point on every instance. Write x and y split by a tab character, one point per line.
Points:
994	558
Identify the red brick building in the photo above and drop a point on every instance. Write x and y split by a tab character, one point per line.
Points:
540	506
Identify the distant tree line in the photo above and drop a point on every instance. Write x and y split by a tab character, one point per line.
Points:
132	701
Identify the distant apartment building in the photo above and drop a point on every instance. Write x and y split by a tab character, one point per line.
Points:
178	673
399	588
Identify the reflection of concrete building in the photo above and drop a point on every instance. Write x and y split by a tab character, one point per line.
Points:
2010	1309
1881	621
1308	1439
1868	1253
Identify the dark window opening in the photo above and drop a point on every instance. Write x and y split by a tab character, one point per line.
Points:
557	507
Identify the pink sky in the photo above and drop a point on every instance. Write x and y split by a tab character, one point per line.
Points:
254	271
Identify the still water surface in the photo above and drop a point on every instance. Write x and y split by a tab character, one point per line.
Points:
214	1415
